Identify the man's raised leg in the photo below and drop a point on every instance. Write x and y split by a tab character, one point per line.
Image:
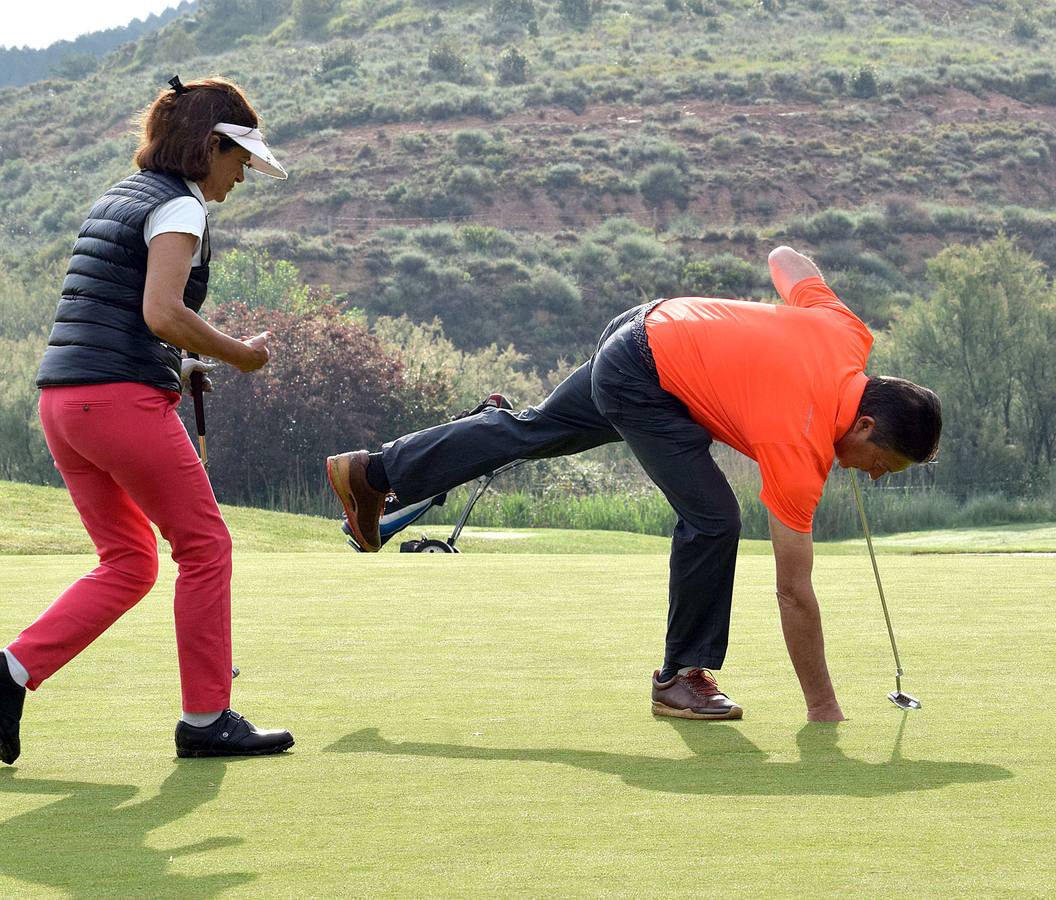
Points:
429	462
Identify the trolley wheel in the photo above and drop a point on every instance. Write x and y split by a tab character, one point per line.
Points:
431	545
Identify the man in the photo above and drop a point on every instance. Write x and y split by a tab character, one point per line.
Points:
783	384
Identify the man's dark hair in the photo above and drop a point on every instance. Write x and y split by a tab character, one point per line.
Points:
908	417
177	126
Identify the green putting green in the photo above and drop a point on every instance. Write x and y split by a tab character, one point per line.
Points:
479	725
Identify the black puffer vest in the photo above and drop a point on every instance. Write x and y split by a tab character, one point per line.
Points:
99	334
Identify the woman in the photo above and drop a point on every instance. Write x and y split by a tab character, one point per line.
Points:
110	382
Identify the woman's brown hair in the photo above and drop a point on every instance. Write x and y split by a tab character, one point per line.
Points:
176	127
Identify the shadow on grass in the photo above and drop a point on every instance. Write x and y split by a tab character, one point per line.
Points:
724	762
92	842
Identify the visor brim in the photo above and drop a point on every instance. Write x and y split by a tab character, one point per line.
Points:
261	159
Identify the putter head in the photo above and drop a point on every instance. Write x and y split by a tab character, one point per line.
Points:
903	700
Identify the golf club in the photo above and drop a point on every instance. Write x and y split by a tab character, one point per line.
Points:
198	395
899	697
199	411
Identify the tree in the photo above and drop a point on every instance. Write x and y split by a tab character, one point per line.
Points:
513	12
75	66
512	67
982	341
330	386
252	277
447	63
577	12
863	83
312	16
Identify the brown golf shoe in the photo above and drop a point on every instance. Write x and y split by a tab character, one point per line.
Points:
363	505
694	695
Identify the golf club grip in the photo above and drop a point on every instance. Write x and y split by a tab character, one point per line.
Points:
197	394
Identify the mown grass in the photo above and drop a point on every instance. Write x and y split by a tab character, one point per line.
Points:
479	725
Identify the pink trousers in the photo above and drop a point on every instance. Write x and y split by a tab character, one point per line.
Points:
127	461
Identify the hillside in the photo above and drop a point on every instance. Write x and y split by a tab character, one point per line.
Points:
721	126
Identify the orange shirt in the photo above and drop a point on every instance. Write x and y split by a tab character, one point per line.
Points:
779	383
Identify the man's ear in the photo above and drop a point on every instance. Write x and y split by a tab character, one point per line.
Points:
214	143
865	425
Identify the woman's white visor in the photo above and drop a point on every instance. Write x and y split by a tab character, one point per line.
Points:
260	157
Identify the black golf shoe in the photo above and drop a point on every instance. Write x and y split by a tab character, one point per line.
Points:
230	735
12	696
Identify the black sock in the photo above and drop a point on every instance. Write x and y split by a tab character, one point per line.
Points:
670	670
376	476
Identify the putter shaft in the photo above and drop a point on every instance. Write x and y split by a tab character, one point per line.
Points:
876	572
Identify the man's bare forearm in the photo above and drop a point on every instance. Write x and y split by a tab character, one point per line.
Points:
801	625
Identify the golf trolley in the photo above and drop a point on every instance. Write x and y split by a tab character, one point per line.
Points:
397	516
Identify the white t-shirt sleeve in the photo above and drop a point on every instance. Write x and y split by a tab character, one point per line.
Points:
183	214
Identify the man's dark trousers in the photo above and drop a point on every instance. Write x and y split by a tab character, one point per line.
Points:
614	396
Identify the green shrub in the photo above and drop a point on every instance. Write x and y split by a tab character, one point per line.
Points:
1024	27
471	143
415	141
594	262
734	277
413	263
583	139
564	175
830	224
469	376
446	62
512	67
437	239
429	202
487	240
517	12
341	61
547	290
863	82
577	12
470	180
312	16
655	150
1031	223
572	95
663	183
721	144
